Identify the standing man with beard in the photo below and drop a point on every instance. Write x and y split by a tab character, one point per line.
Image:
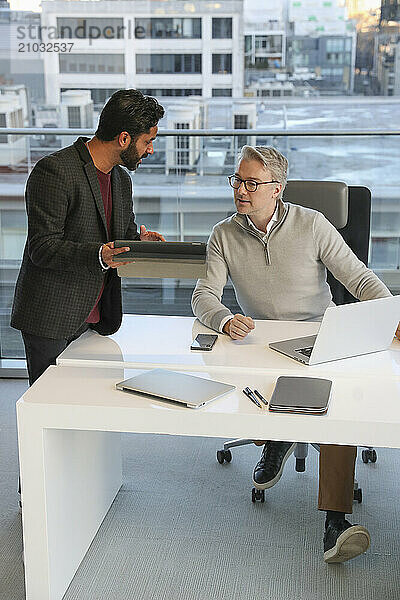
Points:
78	200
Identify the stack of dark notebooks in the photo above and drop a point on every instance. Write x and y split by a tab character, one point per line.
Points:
304	395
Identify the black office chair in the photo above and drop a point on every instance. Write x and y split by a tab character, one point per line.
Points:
348	208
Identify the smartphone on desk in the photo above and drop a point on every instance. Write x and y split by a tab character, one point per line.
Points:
204	341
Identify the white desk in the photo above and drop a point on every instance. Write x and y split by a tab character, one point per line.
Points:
68	422
70	456
159	341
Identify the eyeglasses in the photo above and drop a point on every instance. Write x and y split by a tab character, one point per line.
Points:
249	184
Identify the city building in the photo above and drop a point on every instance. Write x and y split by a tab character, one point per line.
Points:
355	8
386	59
390	11
283	85
311	17
76	112
387	48
329	60
322	40
265	39
20	63
175	50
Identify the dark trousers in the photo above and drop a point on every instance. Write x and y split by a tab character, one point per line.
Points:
41	352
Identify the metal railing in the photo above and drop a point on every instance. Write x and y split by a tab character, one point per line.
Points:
214	132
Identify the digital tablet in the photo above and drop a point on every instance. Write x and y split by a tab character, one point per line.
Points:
193	251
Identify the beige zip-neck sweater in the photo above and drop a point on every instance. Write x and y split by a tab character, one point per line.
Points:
282	277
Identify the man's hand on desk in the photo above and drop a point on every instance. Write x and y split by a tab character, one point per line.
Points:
150	236
238	327
397	334
108	252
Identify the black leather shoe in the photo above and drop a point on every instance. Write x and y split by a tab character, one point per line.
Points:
269	468
343	541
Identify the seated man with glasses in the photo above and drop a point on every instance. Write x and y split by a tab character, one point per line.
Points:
276	255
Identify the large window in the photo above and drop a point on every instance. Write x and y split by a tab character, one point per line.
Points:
268	43
182	145
92	63
213	66
222	63
335	45
334	58
222	27
218	92
332	73
305	44
241	122
171	92
161	28
168	63
74	116
90	28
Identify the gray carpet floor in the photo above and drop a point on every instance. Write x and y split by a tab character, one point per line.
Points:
183	527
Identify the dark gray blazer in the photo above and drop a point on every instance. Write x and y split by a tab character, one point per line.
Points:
60	276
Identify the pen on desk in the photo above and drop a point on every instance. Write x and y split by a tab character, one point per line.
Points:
252	398
251	393
261	397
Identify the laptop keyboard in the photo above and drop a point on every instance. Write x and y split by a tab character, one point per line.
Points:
305	351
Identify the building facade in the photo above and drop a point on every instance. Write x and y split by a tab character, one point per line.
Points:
322	40
17	65
265	39
164	49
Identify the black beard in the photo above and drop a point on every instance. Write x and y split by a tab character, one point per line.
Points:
130	158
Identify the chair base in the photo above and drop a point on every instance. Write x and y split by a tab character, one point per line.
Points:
300	453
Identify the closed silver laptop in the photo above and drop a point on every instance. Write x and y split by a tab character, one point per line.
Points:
346	331
176	387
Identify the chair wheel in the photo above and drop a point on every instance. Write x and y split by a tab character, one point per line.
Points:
224	455
358	495
369	455
257	495
300	465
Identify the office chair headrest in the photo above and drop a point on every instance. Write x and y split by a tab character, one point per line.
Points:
328	197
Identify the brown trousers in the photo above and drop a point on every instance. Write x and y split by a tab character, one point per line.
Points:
336	477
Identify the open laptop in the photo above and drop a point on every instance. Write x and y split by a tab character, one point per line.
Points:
186	389
347	330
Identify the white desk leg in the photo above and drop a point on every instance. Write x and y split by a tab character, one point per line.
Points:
69	480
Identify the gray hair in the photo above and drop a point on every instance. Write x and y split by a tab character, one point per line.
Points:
271	159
